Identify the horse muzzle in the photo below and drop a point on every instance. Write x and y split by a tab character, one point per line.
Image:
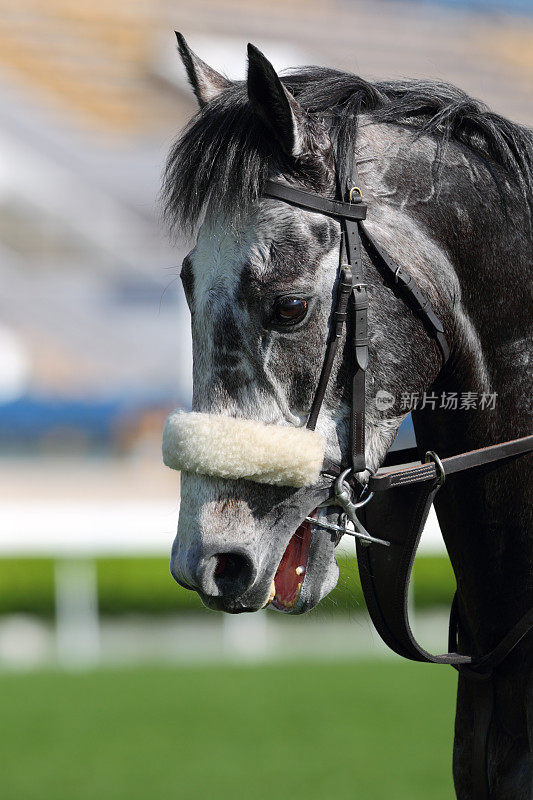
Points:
235	538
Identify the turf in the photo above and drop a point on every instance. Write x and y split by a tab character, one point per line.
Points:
296	732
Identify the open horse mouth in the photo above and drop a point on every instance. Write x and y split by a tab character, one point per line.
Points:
290	575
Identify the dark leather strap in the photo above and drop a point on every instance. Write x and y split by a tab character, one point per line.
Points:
360	336
355	210
385	572
344	289
399	517
405	284
487	663
416	473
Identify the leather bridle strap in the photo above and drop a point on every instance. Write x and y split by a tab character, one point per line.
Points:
354	210
352	242
405	284
344	289
349	283
416	473
350	214
385	571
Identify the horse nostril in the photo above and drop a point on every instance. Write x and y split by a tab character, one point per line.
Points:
228	565
233	573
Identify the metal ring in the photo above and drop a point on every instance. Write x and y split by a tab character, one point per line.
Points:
360	503
341	483
441	474
355	189
396	273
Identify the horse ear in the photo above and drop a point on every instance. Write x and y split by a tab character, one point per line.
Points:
274	103
206	82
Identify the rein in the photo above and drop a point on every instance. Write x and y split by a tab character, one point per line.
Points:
406	491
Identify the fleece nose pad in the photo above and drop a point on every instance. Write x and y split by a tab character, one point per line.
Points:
228	573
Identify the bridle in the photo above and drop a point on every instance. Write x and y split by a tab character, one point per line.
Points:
351	285
406	490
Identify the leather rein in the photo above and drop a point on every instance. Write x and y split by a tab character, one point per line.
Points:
406	491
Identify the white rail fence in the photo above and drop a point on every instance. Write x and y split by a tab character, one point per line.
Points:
75	534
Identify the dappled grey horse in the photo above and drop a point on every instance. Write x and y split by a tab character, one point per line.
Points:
448	186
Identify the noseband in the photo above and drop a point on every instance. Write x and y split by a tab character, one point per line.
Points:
406	491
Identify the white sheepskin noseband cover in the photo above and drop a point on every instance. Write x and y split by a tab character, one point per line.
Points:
226	447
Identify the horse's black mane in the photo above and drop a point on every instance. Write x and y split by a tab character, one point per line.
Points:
225	153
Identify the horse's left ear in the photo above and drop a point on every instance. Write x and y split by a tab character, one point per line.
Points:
206	82
274	103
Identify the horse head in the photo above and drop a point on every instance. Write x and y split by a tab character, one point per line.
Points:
260	283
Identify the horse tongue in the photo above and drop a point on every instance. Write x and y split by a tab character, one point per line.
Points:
291	571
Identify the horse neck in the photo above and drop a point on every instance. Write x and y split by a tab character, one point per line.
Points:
485	513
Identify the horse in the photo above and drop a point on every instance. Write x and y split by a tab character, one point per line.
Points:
448	185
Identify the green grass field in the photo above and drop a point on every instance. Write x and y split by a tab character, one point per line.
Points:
374	731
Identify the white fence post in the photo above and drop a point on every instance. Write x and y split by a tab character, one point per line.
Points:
77	622
245	636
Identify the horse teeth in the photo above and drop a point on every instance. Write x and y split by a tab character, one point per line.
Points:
271	595
300	570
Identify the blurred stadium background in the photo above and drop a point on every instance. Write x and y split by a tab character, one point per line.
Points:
115	682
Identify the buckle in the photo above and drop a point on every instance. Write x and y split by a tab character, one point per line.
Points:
351	194
441	474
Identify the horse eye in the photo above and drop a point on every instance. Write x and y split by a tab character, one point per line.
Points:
289	310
